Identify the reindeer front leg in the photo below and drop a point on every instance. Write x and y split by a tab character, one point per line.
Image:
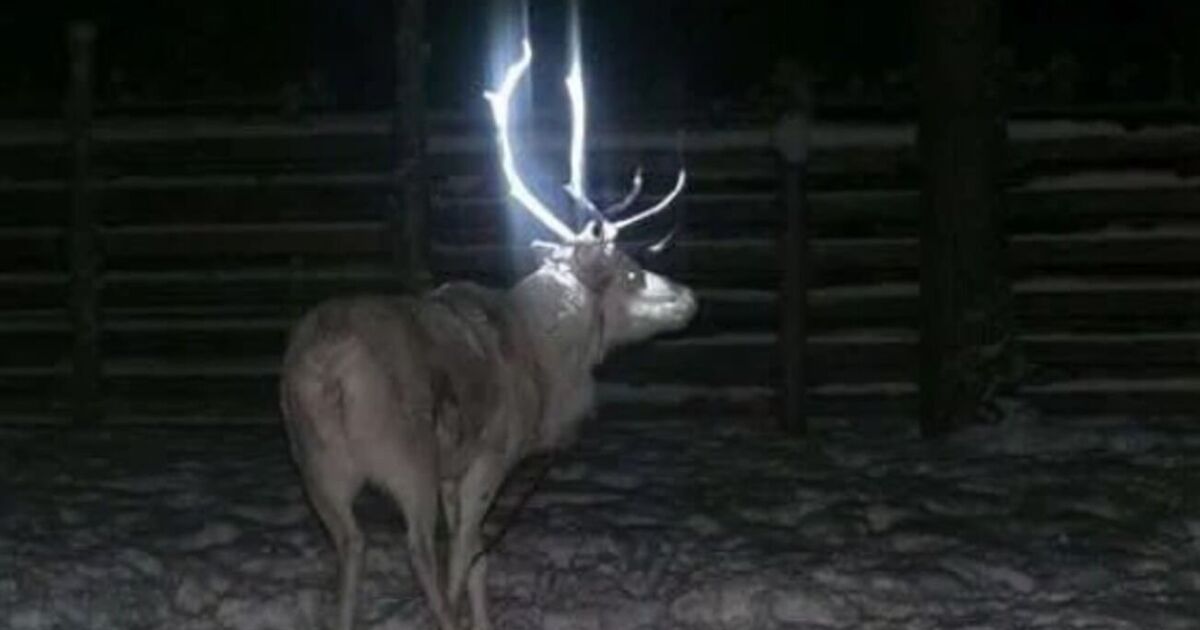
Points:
477	593
476	491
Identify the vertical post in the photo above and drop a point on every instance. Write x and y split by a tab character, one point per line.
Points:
792	143
968	353
84	251
410	194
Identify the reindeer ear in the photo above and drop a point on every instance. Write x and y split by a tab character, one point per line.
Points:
593	264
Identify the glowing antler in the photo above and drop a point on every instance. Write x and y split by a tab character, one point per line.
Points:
634	191
576	187
499	100
601	226
680	180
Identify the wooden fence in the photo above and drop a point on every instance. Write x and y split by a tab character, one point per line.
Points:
211	236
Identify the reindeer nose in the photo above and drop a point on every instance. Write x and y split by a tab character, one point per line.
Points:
688	302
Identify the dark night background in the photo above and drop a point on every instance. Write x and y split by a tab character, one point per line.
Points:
944	373
667	55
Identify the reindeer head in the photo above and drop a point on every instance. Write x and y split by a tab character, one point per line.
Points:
633	304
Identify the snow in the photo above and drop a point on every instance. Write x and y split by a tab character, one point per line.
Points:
884	388
149	324
7	233
862	291
31	278
905	335
722	340
342	273
737	295
679	393
1105	337
462	188
165	367
1158	233
1045	284
1117	385
1112	180
824	134
32	322
187	182
8	371
1069	284
648	523
325	227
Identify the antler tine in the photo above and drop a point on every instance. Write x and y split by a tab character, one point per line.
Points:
658	246
576	188
574	83
629	198
680	180
499	100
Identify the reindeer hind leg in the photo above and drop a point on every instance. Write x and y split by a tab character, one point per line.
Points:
332	496
330	479
476	493
412	483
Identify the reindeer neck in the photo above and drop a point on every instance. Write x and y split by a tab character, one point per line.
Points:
561	316
563	323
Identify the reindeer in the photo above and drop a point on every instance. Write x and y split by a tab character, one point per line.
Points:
435	398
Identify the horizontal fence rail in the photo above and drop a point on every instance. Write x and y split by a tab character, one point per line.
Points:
215	235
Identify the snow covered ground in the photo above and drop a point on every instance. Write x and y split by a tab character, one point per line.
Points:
695	522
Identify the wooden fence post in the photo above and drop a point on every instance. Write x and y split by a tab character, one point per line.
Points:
791	138
83	240
410	196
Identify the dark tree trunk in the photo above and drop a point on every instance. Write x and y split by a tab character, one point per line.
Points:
83	238
410	198
796	259
966	348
